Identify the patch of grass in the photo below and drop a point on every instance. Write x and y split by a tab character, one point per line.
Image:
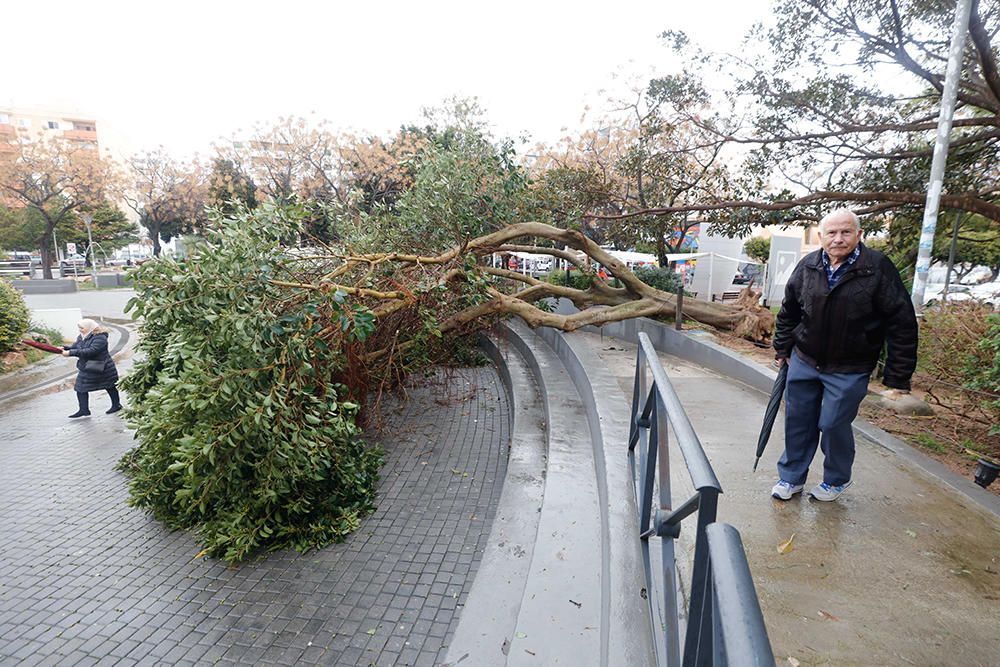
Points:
54	336
930	442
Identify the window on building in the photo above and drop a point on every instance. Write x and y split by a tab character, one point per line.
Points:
4	118
24	122
53	125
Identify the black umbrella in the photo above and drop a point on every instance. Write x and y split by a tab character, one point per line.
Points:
772	411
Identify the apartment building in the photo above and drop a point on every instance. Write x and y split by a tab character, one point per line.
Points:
34	124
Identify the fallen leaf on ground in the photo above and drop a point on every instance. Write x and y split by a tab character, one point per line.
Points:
520	635
370	631
785	547
911	533
793	662
826	614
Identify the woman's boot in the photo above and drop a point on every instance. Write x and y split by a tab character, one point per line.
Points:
116	403
84	400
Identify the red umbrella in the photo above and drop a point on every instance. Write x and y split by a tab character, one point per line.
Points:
43	346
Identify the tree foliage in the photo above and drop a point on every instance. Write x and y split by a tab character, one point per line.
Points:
110	229
168	196
54	178
245	430
758	248
643	157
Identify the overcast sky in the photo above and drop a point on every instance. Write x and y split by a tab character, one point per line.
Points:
183	73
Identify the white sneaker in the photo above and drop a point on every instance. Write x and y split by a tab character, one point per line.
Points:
785	490
827	493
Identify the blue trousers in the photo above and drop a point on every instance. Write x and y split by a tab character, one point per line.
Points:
820	403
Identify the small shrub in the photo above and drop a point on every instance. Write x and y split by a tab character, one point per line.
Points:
982	371
960	349
578	280
45	334
14	317
660	278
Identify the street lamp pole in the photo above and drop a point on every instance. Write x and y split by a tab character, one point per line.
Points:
953	73
87	219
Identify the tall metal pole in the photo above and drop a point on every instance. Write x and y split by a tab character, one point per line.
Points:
951	255
960	30
87	219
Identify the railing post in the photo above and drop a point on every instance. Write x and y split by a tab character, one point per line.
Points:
698	642
679	314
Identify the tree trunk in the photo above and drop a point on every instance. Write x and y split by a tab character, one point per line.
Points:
46	251
48	244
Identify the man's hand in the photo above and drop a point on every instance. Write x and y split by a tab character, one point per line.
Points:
779	362
65	353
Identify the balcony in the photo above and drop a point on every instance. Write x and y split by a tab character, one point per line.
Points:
81	135
7	130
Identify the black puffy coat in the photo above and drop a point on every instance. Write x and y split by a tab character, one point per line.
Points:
843	330
93	348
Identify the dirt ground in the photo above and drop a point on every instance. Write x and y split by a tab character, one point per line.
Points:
948	436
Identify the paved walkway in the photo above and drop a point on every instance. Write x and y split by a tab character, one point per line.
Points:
106	302
84	579
900	571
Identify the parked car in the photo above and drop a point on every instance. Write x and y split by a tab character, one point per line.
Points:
988	293
956	293
72	263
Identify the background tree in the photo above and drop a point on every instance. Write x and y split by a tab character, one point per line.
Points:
110	230
168	196
644	157
978	243
824	133
55	178
758	248
230	189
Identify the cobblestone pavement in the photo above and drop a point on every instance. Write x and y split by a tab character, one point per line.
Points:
84	579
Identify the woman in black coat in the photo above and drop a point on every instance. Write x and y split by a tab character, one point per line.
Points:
96	368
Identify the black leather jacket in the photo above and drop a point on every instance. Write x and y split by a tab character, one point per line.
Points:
842	330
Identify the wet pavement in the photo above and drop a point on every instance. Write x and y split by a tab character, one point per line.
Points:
901	570
84	579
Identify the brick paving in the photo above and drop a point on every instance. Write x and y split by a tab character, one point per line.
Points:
85	580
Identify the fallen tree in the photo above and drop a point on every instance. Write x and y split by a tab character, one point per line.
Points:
246	401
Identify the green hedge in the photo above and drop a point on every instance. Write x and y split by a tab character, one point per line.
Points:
14	317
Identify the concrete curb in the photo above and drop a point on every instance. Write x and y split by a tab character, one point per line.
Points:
696	346
489	620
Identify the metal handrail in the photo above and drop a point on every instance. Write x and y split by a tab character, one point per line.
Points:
739	631
652	410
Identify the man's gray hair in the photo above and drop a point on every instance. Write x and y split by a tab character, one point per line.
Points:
841	212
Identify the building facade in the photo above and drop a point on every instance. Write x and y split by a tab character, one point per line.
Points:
34	124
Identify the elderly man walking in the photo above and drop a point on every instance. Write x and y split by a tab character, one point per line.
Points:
842	304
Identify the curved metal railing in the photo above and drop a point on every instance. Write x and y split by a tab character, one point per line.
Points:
717	632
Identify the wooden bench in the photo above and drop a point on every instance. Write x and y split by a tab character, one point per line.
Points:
726	296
